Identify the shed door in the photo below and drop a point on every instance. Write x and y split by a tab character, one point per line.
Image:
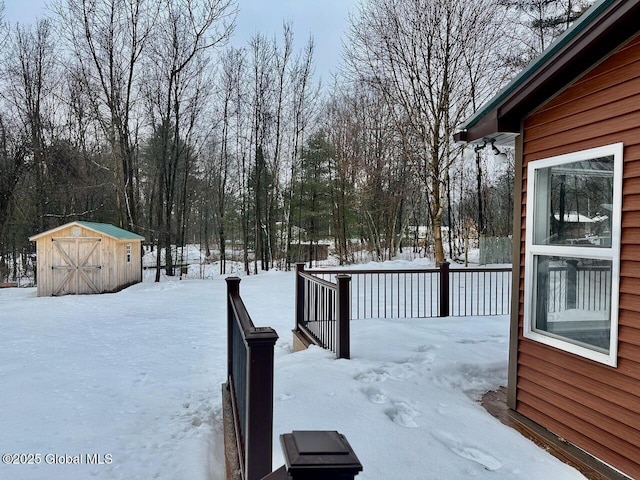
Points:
76	266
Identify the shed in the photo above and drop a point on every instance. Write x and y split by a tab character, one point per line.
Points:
573	116
87	257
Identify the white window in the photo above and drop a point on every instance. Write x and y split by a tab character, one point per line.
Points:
128	253
572	262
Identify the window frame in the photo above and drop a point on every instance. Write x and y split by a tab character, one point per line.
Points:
128	251
611	253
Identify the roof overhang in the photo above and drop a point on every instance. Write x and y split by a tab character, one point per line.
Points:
596	34
86	225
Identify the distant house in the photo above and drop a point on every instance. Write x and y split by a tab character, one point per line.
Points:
574	118
308	251
574	226
87	257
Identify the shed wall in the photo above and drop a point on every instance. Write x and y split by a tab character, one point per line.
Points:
594	406
114	274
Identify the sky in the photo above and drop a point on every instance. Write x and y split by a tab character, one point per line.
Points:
326	20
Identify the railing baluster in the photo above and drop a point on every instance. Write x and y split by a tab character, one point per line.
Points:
463	292
384	276
370	295
502	276
404	282
417	294
473	290
358	296
435	298
398	296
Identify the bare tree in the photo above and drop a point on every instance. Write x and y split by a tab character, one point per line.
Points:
33	91
26	124
219	166
413	52
107	39
304	102
281	59
343	132
177	62
534	24
261	81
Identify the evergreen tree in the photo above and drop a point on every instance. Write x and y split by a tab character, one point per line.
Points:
313	191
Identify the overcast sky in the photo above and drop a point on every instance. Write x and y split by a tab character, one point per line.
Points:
326	20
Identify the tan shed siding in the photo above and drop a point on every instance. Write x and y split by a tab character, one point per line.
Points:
127	273
121	262
44	273
131	267
114	274
134	274
593	406
118	262
111	267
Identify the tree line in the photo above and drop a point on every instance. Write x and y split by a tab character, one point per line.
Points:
140	113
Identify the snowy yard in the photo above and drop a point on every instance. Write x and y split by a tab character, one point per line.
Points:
128	384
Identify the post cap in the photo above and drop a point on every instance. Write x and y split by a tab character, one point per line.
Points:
319	454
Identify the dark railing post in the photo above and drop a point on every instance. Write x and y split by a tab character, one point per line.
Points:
259	435
572	283
255	382
444	289
299	295
343	310
233	288
316	455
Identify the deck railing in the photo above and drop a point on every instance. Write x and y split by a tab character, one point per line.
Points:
250	384
479	291
322	310
424	293
584	287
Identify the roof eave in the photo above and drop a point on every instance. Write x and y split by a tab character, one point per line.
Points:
83	225
33	238
606	26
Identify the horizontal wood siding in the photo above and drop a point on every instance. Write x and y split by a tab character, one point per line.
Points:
594	406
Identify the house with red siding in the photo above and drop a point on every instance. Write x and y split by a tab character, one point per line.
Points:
573	117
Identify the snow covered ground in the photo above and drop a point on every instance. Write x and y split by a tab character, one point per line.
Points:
128	384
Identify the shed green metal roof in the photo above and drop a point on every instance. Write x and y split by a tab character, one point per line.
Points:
111	230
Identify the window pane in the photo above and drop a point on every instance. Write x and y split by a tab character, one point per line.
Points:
573	300
573	203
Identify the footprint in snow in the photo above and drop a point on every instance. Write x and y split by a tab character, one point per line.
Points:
374	395
402	371
403	414
378	375
425	348
470	341
426	354
286	396
470	452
